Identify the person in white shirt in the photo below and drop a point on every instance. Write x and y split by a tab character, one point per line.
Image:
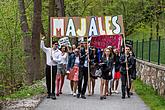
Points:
61	70
52	59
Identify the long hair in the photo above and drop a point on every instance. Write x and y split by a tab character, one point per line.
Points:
110	55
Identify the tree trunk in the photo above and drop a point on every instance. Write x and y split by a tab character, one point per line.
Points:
60	8
36	29
26	41
52	13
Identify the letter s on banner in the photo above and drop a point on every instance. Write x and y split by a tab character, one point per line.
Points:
117	29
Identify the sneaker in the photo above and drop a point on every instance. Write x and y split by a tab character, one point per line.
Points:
83	97
74	94
54	97
113	91
57	94
71	93
116	92
78	95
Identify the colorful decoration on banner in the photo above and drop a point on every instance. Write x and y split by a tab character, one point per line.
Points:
64	41
104	41
89	26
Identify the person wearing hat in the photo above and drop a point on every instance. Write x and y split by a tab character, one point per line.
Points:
52	59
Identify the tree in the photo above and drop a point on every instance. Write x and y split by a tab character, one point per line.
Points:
27	41
36	30
60	8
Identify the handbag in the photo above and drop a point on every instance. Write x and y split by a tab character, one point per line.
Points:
98	72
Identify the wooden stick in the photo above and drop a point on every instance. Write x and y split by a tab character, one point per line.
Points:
51	65
89	84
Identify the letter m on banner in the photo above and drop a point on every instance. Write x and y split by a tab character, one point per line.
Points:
57	27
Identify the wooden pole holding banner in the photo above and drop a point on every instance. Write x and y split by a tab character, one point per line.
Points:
89	82
51	68
51	65
128	81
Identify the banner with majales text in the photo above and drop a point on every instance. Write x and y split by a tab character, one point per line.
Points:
103	41
86	26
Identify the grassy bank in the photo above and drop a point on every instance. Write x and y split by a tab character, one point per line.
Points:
26	92
149	96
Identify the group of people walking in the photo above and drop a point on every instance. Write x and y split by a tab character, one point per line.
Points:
109	65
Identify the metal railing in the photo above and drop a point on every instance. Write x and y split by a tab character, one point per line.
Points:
150	50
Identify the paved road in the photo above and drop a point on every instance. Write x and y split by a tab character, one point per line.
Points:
67	102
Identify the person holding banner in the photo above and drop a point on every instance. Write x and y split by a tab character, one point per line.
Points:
107	63
123	70
52	59
61	70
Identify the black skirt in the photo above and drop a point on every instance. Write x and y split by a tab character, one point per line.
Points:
106	73
92	71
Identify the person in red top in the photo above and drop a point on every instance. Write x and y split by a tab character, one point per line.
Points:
117	70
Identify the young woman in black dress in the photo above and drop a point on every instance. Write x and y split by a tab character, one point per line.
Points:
107	63
93	65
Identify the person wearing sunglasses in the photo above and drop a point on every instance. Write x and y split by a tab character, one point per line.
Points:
52	59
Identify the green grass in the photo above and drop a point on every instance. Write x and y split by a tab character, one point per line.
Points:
149	96
25	92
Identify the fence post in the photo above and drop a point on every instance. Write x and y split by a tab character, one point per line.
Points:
137	49
159	50
149	50
142	48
